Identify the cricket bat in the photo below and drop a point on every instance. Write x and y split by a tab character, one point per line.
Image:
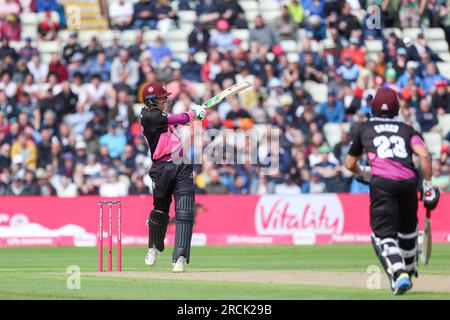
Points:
234	89
426	240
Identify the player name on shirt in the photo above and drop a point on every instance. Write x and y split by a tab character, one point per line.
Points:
386	127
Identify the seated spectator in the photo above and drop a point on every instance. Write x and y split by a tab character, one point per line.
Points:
100	66
16	187
327	170
65	102
232	12
311	71
226	72
66	188
58	68
432	77
30	184
316	185
123	112
159	49
38	69
48	27
92	49
426	116
135	50
7	86
27	149
113	187
239	186
409	14
72	47
191	70
419	46
296	10
401	60
27	51
5	159
137	186
288	187
76	66
357	54
199	37
440	179
347	22
413	94
263	34
238	118
316	27
286	25
7	108
440	100
6	49
121	14
410	73
11	27
341	148
113	50
391	81
166	16
332	109
349	70
222	40
214	186
207	12
114	140
330	54
125	71
144	14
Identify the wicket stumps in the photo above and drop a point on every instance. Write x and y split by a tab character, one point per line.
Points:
118	206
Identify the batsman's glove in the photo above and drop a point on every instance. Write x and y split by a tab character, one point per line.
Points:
430	196
365	175
199	111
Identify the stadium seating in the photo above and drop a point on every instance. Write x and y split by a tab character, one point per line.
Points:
374	45
318	90
433	142
444	123
434	34
438	46
333	132
411	32
444	68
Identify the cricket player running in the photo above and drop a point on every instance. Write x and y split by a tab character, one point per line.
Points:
390	145
168	178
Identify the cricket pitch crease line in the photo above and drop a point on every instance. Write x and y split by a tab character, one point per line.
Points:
335	279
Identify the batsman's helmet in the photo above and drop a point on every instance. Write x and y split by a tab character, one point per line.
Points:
385	103
152	91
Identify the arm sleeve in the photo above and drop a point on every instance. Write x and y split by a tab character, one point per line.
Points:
181	119
416	138
356	147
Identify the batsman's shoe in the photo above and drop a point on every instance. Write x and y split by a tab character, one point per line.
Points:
150	257
402	284
180	265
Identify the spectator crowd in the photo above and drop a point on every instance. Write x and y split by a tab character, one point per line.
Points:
70	127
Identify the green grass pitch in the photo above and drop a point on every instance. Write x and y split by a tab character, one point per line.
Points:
40	273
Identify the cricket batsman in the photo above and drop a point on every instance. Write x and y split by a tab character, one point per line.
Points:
168	178
390	145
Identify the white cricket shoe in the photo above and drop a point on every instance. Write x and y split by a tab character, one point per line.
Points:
150	257
180	265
